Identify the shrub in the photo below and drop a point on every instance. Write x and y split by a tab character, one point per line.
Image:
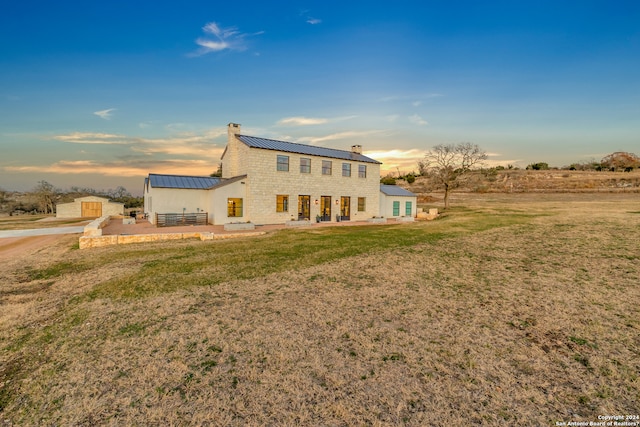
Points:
541	166
388	180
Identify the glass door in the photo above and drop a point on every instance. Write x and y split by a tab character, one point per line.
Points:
325	208
345	208
304	207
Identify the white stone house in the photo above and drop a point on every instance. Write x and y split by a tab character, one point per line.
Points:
396	202
89	207
267	181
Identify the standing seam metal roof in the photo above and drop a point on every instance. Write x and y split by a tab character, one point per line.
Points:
394	190
182	181
291	147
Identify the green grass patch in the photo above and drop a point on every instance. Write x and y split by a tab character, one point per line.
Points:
166	270
55	270
132	329
579	341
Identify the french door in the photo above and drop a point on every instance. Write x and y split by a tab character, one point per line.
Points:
325	208
304	207
345	208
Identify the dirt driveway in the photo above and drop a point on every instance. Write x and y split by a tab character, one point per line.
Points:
16	247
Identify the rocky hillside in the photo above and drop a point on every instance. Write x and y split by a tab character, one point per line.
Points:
546	181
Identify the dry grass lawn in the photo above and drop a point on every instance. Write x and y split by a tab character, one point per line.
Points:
509	310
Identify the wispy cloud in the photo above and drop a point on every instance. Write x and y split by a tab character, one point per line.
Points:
184	153
417	120
199	145
308	18
105	114
122	168
340	136
393	160
307	121
92	138
217	39
301	121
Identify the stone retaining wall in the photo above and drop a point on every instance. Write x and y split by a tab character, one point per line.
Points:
404	219
94	228
298	223
100	241
235	226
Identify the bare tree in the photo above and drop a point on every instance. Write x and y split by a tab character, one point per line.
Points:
46	194
621	160
445	164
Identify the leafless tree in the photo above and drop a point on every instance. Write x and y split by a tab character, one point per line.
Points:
621	160
445	164
46	195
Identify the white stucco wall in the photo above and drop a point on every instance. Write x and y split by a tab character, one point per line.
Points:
174	200
386	205
218	202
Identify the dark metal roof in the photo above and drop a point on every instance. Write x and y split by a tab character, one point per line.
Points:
181	181
310	150
394	190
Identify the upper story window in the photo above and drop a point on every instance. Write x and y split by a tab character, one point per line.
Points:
362	171
346	169
305	165
326	167
283	163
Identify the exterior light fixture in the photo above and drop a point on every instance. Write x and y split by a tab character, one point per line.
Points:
316	202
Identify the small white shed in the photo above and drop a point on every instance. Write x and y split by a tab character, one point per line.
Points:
89	207
396	202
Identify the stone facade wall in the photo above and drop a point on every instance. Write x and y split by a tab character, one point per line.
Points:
266	182
74	209
235	158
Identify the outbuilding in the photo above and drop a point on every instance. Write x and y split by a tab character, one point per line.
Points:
89	207
396	202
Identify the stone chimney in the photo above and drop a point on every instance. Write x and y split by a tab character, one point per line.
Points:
356	149
231	156
233	129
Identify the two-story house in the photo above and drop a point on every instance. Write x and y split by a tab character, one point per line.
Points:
267	181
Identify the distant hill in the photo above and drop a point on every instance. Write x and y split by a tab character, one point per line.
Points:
537	181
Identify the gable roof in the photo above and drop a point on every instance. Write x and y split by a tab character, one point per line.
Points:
182	181
394	190
310	150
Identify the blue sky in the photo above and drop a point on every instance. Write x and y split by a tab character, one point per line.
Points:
99	94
